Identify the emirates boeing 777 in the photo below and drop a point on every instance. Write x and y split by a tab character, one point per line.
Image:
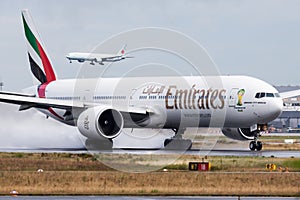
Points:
100	108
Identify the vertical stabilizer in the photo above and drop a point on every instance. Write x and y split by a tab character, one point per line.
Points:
123	50
39	61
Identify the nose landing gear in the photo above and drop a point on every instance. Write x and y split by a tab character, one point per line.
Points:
256	144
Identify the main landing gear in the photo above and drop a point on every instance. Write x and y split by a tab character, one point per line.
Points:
177	142
98	145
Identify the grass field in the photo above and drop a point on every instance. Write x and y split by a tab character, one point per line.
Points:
84	174
270	142
154	183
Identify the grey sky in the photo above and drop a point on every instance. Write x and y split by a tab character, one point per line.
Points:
255	37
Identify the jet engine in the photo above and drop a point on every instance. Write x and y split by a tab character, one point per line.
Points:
100	122
238	133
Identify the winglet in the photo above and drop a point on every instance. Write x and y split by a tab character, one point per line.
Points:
39	62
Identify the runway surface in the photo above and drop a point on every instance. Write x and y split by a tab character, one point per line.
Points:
143	198
238	152
280	154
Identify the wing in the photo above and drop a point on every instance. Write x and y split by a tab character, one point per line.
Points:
27	101
290	94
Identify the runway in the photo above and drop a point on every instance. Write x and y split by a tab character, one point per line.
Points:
200	152
145	198
279	154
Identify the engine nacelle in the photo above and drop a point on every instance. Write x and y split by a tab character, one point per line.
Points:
238	133
99	122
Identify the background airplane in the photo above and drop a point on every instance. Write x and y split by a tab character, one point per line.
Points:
98	58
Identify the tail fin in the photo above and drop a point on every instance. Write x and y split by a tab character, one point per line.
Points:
39	62
123	50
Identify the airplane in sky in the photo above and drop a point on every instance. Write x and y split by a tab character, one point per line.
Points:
100	108
98	58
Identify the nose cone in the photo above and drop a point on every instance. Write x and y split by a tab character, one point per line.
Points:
275	109
270	112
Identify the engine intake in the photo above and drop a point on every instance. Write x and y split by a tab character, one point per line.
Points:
100	122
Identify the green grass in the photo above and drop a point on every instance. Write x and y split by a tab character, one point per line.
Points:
182	166
19	155
82	174
268	137
138	163
293	163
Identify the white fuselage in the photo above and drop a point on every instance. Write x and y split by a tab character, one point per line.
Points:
81	57
191	101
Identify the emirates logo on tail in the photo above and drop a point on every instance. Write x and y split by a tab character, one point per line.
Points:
39	62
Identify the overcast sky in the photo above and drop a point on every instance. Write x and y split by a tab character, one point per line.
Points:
259	38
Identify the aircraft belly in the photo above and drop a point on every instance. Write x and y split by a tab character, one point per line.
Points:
187	118
240	117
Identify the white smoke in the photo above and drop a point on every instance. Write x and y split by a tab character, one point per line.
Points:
31	129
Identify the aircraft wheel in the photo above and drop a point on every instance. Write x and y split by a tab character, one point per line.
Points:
252	146
258	145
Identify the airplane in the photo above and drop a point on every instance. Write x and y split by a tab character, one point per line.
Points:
100	108
98	58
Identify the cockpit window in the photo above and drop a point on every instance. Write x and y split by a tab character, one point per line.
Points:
264	94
